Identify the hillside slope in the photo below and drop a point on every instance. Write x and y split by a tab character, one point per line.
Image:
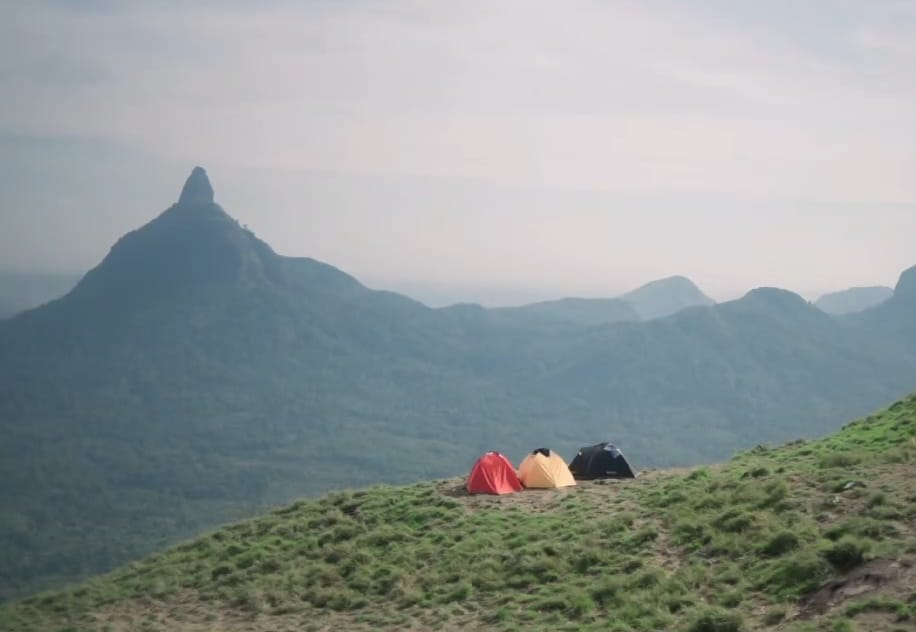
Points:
855	299
580	311
196	377
20	291
813	535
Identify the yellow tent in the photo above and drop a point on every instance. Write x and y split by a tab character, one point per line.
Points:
545	469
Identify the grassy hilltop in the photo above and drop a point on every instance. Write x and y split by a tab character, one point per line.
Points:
813	535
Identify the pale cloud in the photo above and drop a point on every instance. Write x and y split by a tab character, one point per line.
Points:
895	40
623	114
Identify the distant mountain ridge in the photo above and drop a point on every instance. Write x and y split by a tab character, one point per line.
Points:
855	299
195	376
579	311
656	299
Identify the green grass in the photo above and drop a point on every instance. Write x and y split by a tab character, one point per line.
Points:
718	549
902	611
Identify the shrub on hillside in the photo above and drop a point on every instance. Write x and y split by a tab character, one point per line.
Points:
847	553
780	543
716	620
794	575
735	521
700	473
691	534
862	526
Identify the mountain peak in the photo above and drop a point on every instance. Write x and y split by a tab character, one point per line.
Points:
197	188
193	244
664	297
775	298
774	293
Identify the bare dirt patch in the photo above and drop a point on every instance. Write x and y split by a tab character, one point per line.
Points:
888	479
545	500
889	577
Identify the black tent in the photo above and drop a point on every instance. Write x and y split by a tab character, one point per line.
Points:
603	460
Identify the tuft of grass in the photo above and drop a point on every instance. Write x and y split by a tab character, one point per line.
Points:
902	610
876	499
780	543
609	591
716	620
792	576
862	526
838	459
847	553
842	625
736	521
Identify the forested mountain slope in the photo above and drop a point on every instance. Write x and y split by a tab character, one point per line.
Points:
578	311
196	376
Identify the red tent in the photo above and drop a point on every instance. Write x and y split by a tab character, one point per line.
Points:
493	474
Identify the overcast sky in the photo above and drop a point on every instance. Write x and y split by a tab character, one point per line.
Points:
492	151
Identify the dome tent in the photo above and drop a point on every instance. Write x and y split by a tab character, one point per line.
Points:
603	460
545	469
493	474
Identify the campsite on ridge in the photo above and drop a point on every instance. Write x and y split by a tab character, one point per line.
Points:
211	378
806	537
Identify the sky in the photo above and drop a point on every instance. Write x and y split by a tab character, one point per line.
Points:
498	151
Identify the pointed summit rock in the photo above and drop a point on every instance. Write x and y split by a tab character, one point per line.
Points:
197	188
192	245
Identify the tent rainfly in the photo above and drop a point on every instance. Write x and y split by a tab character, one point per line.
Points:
493	474
545	469
603	460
